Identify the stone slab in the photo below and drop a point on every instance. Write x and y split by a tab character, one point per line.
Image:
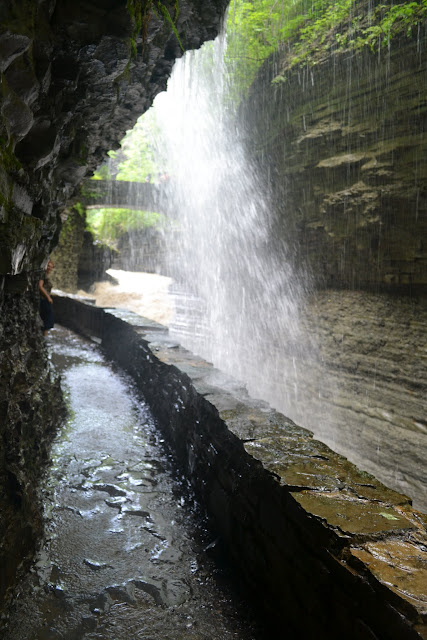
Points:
302	524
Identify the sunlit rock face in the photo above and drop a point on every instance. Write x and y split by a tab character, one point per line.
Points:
75	75
346	145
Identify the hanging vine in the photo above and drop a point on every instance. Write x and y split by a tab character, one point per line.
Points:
141	12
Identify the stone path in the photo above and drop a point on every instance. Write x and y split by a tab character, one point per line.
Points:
123	557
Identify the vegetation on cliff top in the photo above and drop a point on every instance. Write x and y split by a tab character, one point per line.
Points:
309	29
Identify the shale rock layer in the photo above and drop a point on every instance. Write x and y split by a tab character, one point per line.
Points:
346	146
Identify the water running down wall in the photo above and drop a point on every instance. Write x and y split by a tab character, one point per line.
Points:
335	363
243	301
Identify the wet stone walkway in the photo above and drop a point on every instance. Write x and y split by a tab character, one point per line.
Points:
123	557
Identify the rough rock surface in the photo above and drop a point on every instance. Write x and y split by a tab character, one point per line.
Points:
346	146
30	408
345	143
75	74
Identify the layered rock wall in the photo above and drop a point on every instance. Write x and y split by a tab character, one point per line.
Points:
365	391
31	408
345	143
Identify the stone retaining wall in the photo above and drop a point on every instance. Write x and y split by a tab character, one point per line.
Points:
328	551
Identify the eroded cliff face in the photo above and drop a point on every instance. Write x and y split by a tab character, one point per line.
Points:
75	74
346	144
31	407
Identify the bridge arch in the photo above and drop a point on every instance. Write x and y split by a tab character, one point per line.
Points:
146	196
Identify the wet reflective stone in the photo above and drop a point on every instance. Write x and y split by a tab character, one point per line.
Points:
121	556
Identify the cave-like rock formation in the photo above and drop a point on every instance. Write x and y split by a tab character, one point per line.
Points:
75	74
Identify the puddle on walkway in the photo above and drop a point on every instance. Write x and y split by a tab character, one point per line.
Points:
123	557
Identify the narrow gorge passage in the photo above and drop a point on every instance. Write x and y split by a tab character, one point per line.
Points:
123	553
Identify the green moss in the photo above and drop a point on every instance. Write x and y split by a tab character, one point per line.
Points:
9	165
140	14
80	208
137	14
8	160
22	18
133	48
353	25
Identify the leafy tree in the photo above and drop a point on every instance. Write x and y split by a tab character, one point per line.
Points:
108	224
255	29
138	152
103	172
136	159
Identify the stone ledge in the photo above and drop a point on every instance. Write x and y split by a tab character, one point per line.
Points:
328	550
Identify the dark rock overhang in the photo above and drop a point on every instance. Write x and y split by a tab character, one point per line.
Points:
75	75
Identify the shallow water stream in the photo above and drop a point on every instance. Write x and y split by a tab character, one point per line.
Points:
123	557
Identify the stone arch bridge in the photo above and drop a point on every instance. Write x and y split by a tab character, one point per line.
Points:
128	195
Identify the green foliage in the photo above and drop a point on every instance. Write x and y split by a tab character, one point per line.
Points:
102	173
163	11
349	24
135	11
399	18
309	28
140	13
80	209
137	157
255	29
132	163
108	224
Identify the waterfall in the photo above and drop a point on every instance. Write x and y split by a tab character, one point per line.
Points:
238	302
313	355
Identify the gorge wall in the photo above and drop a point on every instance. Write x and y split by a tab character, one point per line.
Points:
347	160
345	141
75	74
344	146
